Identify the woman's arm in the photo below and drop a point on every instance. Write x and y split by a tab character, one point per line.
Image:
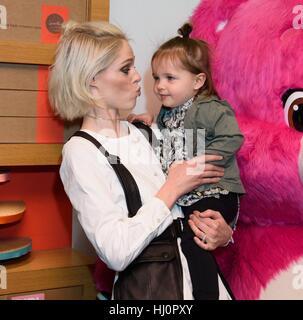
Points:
97	197
99	202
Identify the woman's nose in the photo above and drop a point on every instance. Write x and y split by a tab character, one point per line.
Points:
137	77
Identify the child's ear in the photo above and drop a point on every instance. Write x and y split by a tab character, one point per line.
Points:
200	80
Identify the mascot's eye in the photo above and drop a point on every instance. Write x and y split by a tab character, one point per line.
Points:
293	108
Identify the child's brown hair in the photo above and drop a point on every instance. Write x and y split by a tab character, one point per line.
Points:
193	55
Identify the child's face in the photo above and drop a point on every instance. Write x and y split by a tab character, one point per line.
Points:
173	84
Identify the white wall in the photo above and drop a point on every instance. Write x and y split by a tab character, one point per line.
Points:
148	23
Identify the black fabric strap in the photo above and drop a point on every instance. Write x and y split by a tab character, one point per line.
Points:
129	185
147	132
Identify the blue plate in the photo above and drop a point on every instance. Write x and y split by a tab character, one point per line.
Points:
11	248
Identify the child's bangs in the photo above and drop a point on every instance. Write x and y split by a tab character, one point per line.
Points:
173	56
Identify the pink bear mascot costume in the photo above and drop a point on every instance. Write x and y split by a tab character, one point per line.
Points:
258	67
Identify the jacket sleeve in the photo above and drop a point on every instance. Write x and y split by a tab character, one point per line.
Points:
222	134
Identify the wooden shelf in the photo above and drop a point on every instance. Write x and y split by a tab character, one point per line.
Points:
50	259
63	273
27	52
40	53
99	10
30	154
59	274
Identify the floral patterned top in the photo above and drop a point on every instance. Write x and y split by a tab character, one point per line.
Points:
172	147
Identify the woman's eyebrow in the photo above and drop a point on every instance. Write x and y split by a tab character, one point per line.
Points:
129	60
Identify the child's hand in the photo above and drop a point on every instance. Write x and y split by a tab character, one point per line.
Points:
146	118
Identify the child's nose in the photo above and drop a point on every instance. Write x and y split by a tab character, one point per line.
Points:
160	85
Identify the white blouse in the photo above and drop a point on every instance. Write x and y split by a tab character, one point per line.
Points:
99	201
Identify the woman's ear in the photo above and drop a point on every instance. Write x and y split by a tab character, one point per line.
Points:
94	88
93	82
199	81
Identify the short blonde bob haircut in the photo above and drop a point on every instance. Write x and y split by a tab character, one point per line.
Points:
84	50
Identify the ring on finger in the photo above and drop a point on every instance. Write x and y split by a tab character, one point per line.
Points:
204	238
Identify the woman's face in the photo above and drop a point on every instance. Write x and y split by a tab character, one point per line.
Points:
118	86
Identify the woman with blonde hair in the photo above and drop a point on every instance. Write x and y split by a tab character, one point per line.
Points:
110	172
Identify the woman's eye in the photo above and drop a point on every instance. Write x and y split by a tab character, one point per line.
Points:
293	108
125	70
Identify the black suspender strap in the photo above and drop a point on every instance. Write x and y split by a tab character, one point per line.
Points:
129	185
147	132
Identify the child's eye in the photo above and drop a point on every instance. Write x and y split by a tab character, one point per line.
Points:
156	78
170	78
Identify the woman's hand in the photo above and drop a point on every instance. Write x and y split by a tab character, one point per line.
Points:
188	175
146	118
210	229
185	176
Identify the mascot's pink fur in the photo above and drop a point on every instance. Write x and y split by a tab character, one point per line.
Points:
257	48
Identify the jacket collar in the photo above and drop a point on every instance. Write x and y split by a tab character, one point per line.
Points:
205	98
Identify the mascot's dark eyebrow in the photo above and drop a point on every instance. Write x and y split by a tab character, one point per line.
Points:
287	94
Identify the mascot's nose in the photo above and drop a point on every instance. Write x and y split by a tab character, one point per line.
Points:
301	161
